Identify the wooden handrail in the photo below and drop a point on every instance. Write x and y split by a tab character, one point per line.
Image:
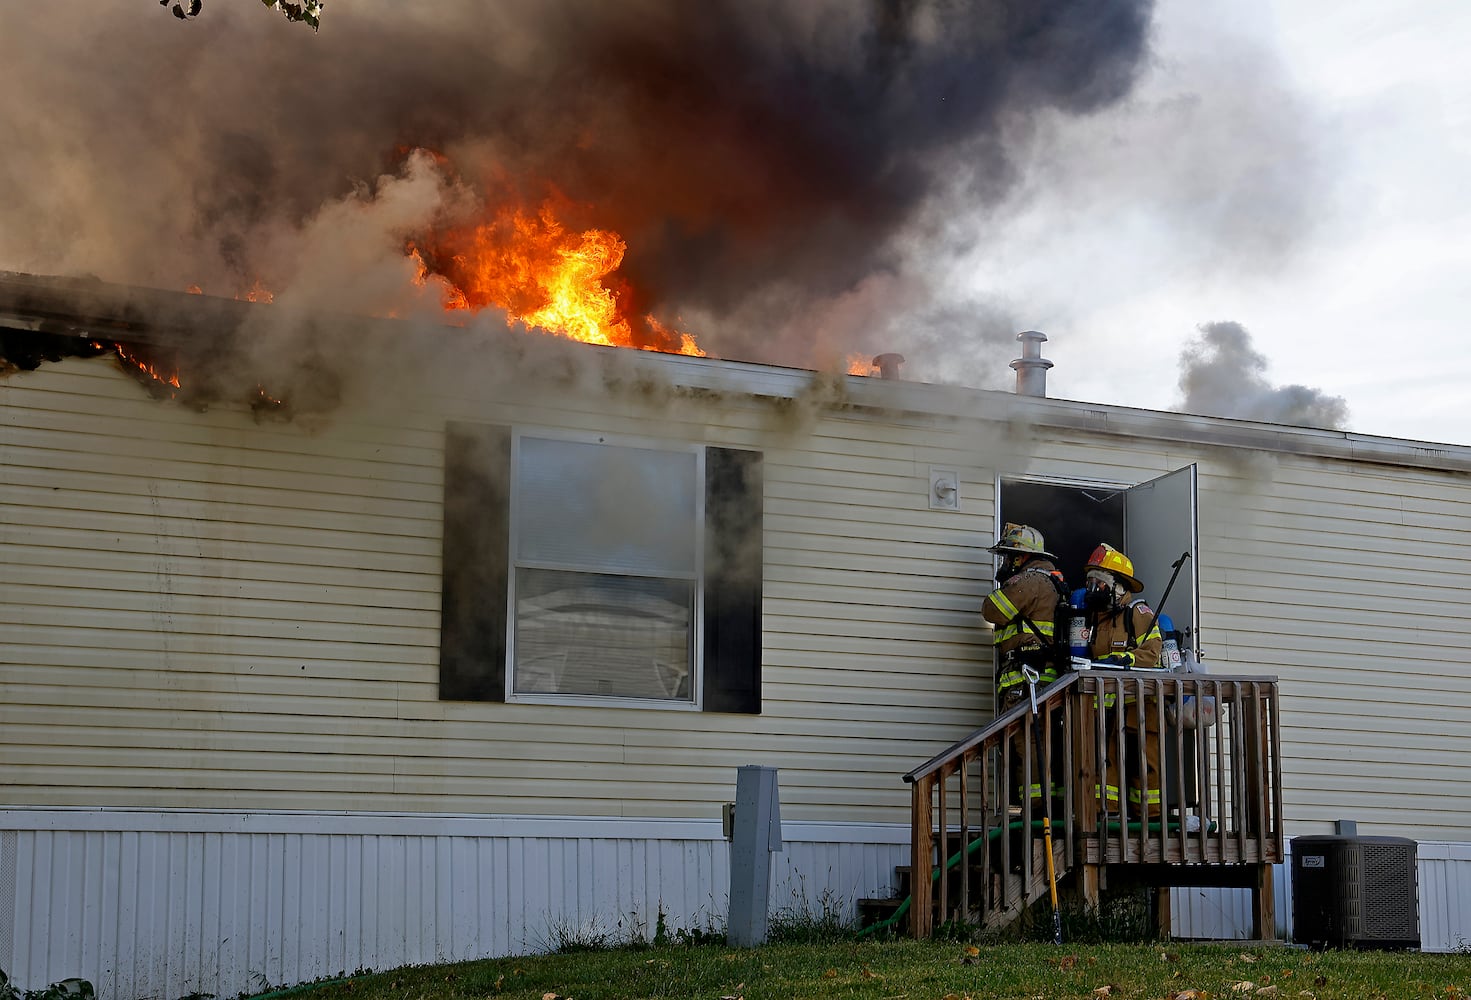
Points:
996	725
1226	779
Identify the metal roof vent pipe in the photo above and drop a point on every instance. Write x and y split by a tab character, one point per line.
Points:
888	365
1031	367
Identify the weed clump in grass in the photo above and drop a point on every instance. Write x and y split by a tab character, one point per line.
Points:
803	920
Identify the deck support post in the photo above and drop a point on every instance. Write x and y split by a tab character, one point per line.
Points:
1263	905
1089	886
921	861
1162	920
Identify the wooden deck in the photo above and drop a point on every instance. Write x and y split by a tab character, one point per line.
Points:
1218	790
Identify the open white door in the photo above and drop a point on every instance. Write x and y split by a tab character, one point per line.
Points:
1160	524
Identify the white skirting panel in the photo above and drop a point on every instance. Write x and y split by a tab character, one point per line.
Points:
165	904
1445	896
1225	914
1444	873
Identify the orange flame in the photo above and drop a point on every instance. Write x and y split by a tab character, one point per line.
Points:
257	292
860	364
546	276
147	371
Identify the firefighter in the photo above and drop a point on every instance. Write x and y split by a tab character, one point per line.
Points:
1123	633
1022	610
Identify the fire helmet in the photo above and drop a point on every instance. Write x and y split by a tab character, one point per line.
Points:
1021	539
1109	558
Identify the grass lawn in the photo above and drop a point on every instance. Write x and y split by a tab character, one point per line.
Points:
909	970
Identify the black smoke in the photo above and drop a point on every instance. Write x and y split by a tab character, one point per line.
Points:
1222	375
761	157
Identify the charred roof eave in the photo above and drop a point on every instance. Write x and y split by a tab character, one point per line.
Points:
87	309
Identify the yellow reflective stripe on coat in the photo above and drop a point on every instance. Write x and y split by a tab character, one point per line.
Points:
1013	629
1151	797
1003	604
1108	793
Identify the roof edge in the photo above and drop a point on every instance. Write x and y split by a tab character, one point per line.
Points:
50	305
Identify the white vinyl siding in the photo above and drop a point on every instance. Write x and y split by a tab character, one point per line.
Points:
199	610
204	611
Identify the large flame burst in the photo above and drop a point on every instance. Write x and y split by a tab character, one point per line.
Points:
545	276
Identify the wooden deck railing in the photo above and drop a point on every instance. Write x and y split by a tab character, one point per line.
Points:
975	835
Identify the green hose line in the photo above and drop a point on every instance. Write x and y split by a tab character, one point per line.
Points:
954	860
299	988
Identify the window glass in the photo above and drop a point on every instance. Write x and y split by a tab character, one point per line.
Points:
605	507
589	633
604	570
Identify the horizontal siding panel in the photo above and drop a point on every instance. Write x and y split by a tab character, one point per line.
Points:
115	597
945	556
854	599
237	550
106	657
892	586
817	499
96	387
438	738
71	508
418	755
909	538
855	720
29	622
974	516
105	451
201	531
419	588
818	558
106	474
922	628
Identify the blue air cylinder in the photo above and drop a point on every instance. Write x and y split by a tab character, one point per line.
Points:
1169	653
1077	633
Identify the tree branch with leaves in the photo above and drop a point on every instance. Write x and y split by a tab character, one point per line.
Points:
308	11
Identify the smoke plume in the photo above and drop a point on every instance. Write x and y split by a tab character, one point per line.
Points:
763	159
1221	375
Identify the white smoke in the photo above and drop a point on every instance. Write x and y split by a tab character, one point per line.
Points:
1223	375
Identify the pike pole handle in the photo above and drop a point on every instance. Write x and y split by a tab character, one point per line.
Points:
1168	587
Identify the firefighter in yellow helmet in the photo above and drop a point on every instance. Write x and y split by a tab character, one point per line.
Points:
1123	633
1022	610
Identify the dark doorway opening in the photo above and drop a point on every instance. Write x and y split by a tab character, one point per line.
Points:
1072	519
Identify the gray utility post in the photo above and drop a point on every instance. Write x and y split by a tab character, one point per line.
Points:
755	834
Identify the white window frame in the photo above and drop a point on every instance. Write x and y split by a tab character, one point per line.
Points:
697	610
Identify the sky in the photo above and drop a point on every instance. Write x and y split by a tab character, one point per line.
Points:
1238	207
1332	222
